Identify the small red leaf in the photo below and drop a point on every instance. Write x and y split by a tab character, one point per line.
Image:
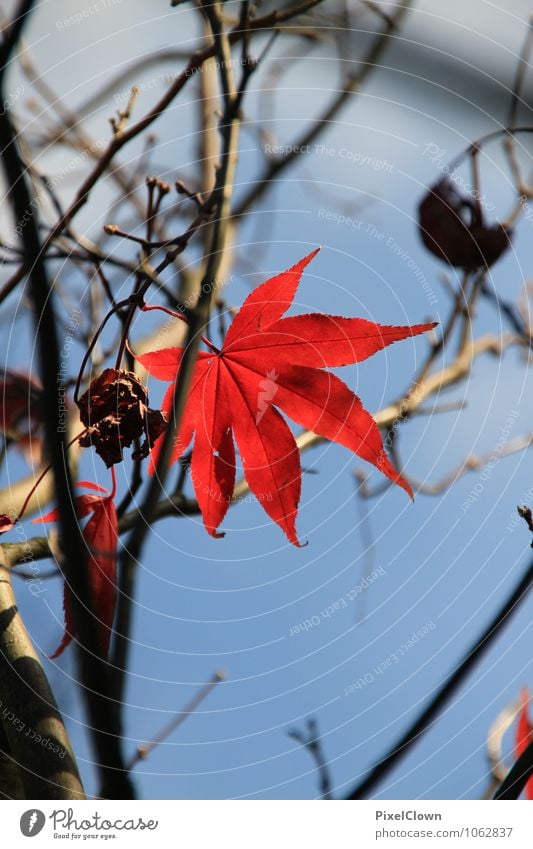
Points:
70	629
100	535
84	505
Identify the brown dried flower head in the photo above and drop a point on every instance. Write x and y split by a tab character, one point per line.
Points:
115	412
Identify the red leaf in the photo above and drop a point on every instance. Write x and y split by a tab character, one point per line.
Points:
213	458
192	414
266	362
100	534
524	734
164	363
322	403
269	454
70	628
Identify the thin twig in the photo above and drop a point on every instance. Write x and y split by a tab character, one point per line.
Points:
266	22
312	743
146	749
472	463
351	85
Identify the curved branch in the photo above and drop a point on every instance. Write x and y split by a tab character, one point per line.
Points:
443	695
311	742
34	734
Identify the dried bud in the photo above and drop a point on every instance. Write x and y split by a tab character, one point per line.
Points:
452	227
6	523
115	412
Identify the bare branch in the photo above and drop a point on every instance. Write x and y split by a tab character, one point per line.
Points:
145	750
351	85
472	463
311	743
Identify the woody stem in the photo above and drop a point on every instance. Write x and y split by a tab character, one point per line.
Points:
168	311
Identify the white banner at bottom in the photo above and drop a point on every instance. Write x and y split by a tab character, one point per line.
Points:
268	824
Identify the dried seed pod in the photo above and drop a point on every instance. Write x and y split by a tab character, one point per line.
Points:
6	523
453	228
115	412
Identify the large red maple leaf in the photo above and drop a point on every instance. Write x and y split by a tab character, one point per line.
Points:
269	362
100	534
